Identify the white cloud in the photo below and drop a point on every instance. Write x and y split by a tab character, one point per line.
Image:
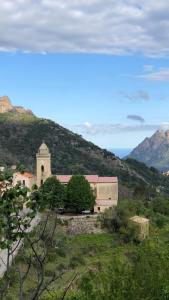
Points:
140	95
91	26
109	129
164	126
160	75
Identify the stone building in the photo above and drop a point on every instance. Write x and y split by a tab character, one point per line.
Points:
142	225
25	179
105	188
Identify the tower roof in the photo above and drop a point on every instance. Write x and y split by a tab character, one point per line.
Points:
43	149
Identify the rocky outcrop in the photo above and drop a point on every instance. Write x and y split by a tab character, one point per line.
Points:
6	106
154	151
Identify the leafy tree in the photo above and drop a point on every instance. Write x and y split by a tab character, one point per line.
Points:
14	221
53	193
116	219
161	205
79	194
21	168
17	220
6	175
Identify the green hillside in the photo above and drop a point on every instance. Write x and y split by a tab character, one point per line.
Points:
22	134
109	265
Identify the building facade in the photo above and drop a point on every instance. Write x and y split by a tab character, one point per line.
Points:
25	179
104	188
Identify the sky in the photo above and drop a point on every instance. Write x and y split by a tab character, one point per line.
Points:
99	68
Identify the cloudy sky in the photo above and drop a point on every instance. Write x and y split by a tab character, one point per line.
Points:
98	67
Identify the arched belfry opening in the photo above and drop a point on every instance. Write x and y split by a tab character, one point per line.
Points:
43	164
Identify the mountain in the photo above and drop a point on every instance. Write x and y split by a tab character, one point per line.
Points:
6	106
22	133
154	151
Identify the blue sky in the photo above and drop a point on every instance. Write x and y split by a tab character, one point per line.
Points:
100	74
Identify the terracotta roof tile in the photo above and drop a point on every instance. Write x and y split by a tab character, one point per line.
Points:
90	178
26	174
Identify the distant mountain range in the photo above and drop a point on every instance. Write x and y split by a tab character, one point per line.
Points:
22	133
121	152
154	151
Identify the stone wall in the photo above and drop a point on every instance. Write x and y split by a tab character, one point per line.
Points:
82	225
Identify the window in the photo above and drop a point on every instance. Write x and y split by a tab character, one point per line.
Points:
42	169
41	182
98	208
23	182
109	198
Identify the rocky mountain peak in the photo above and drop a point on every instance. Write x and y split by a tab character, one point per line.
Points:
154	151
6	106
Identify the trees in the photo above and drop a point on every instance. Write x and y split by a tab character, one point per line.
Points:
79	194
19	215
15	221
116	220
21	168
53	193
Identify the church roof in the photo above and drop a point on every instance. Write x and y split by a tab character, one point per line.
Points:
107	179
90	179
25	174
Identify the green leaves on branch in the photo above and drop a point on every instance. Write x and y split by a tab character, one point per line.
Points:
53	193
14	218
79	194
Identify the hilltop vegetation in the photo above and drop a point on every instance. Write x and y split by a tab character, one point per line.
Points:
100	266
22	134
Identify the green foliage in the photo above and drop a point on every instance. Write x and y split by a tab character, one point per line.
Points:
6	175
79	194
161	205
53	193
21	168
71	154
12	202
116	220
144	274
156	181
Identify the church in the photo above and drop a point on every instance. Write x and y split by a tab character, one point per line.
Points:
105	188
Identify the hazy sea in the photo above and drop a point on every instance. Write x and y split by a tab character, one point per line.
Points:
121	152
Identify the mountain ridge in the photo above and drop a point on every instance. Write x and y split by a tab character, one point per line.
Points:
22	134
154	151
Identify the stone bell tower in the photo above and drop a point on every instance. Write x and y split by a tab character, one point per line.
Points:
43	164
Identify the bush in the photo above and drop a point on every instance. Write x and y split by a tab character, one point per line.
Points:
117	220
114	218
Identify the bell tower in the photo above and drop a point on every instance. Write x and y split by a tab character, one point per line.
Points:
43	164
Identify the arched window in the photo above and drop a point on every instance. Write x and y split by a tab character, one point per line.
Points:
42	169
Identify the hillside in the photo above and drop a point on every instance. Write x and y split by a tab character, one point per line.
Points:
22	134
154	151
99	266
